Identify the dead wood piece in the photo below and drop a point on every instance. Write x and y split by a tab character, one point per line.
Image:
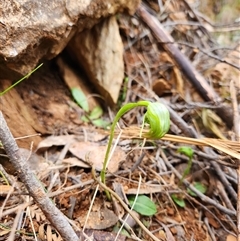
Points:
184	64
34	187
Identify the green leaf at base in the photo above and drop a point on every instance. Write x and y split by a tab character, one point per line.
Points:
143	205
178	200
199	186
96	113
80	98
101	123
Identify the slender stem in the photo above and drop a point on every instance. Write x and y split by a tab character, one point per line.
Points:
23	78
186	171
120	113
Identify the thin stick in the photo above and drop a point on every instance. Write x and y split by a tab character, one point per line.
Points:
124	223
34	187
11	236
183	63
203	197
225	182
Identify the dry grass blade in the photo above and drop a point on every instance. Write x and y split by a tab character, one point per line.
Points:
231	148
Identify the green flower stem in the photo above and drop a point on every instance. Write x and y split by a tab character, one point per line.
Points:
158	118
120	113
187	151
186	171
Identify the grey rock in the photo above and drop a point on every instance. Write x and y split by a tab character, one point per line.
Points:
33	31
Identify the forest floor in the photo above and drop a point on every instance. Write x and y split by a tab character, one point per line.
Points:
69	146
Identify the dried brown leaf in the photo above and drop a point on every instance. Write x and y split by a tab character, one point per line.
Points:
94	154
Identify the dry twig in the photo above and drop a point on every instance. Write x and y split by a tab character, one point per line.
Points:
184	64
203	197
224	180
34	187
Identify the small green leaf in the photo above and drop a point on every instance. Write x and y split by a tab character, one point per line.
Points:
96	113
143	205
101	123
200	187
80	98
178	200
85	119
186	150
97	122
146	223
125	233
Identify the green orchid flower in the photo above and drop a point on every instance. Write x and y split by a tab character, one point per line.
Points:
158	118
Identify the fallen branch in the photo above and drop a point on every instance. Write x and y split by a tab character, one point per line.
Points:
182	62
34	187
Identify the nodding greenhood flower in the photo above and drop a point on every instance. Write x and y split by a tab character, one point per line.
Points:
158	117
